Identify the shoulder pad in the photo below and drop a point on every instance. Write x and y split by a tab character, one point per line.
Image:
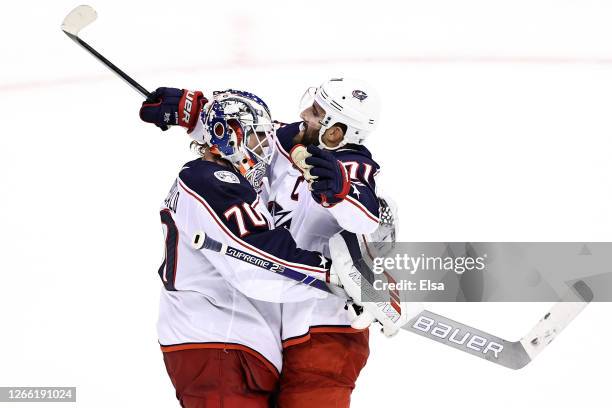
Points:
217	184
355	153
285	134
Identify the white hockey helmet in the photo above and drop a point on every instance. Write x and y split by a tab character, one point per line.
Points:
351	102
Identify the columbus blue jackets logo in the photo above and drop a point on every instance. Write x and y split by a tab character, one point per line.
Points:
359	94
227	176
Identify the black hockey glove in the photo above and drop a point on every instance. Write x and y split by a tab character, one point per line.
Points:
331	181
171	106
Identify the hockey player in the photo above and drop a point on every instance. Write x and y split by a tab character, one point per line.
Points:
323	353
335	189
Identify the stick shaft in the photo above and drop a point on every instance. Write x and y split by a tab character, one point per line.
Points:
128	79
216	246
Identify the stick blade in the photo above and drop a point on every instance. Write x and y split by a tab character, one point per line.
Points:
77	19
558	318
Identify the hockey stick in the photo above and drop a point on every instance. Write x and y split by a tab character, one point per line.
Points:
78	19
510	354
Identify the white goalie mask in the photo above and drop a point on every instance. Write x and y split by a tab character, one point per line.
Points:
351	102
238	127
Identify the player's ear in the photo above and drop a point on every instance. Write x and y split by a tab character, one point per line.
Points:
337	133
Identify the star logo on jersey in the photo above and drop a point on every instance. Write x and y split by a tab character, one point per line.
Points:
166	117
323	261
356	191
359	94
227	176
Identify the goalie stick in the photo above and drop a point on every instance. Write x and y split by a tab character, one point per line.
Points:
510	354
78	19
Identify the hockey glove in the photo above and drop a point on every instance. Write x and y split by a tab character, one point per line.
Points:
373	305
171	106
327	178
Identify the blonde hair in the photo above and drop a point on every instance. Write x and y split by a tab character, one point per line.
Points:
199	148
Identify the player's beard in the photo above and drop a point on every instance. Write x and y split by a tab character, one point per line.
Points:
309	135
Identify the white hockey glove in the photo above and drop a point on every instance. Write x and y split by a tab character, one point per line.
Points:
299	154
376	305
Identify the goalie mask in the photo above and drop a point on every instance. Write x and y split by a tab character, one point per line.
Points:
239	129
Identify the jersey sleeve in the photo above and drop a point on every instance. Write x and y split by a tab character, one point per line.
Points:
197	133
359	211
283	142
285	134
232	214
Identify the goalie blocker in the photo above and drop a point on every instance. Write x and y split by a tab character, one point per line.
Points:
350	271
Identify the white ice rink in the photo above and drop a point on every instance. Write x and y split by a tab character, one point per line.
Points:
496	126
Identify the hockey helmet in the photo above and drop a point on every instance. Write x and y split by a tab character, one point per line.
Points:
351	102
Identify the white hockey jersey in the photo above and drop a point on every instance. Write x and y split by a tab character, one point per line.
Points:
210	300
311	225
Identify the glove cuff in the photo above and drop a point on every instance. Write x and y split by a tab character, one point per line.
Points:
189	107
346	182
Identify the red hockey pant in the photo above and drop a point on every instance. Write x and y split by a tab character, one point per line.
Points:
322	372
217	378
